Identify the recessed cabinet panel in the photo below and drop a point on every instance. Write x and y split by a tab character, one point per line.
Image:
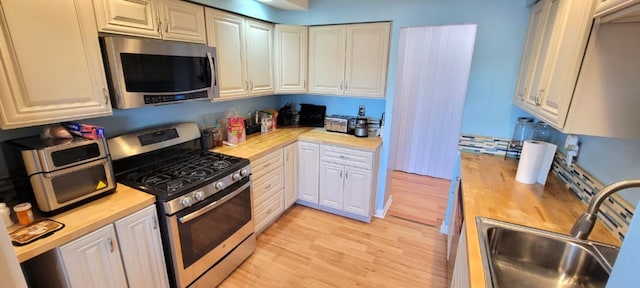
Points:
290	174
65	83
331	185
366	68
259	57
131	17
183	21
308	171
226	33
326	59
290	59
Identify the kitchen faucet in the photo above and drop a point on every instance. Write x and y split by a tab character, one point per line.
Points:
583	226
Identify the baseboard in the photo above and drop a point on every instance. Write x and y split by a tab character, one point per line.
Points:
383	212
444	228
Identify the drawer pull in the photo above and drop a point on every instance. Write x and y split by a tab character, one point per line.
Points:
111	245
344	157
269	211
267	187
266	166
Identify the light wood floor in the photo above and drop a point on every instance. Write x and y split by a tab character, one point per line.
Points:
419	198
310	248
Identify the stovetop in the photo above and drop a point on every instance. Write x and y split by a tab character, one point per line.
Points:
181	174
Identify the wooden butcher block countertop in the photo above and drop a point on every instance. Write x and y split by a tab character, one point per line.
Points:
87	218
489	189
260	144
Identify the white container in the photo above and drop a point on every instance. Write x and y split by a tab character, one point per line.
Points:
6	214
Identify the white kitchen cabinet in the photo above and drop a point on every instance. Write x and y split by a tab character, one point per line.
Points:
65	81
127	253
604	7
556	42
345	182
290	58
268	189
308	171
141	249
460	277
290	174
161	19
349	60
94	260
245	54
331	185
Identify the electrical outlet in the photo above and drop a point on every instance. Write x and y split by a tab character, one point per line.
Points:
361	111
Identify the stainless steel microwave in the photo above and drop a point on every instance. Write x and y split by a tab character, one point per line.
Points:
143	72
64	173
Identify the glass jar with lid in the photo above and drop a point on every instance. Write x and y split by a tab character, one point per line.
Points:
521	132
543	132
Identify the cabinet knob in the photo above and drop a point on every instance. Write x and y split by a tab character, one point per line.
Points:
159	23
106	96
166	26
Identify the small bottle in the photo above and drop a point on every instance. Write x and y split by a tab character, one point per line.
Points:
6	214
24	213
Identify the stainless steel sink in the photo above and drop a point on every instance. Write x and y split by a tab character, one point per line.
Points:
520	256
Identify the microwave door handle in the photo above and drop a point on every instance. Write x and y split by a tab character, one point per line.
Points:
213	205
74	168
214	81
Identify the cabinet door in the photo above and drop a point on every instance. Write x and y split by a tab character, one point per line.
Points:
259	43
331	185
182	21
537	91
290	59
308	171
290	174
226	33
141	249
326	59
94	260
366	59
52	68
531	47
130	17
357	191
564	59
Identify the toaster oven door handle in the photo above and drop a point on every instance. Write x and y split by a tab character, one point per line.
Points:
211	206
57	173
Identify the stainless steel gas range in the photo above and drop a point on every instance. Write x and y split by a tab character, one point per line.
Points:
203	200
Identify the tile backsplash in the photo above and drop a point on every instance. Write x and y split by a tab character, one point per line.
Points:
615	212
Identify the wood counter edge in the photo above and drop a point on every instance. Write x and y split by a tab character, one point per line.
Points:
123	202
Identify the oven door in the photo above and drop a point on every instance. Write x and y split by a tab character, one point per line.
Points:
203	234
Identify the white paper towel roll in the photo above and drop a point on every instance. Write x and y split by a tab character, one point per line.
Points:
535	162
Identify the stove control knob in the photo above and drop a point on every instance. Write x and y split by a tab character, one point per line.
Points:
186	201
235	176
219	185
199	195
243	172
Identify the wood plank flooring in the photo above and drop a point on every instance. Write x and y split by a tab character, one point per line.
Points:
419	198
310	248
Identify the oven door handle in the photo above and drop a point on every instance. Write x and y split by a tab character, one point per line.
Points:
213	205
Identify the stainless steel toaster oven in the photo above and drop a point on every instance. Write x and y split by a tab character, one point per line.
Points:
339	123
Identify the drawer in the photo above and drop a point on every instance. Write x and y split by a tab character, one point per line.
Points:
269	211
266	163
268	185
345	156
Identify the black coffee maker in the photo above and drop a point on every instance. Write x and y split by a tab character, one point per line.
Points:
285	115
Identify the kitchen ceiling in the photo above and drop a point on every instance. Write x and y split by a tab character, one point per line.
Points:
287	4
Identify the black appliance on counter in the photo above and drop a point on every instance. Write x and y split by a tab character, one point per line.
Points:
203	200
285	115
312	115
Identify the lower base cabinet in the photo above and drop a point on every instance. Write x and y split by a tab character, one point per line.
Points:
127	253
460	277
345	183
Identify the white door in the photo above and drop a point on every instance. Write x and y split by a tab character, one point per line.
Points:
290	174
130	17
226	32
331	185
182	21
94	260
326	59
259	57
141	246
431	85
357	191
52	68
290	59
366	59
308	171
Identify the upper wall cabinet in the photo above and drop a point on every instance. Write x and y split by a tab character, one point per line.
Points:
161	19
51	64
245	49
349	59
290	59
555	45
